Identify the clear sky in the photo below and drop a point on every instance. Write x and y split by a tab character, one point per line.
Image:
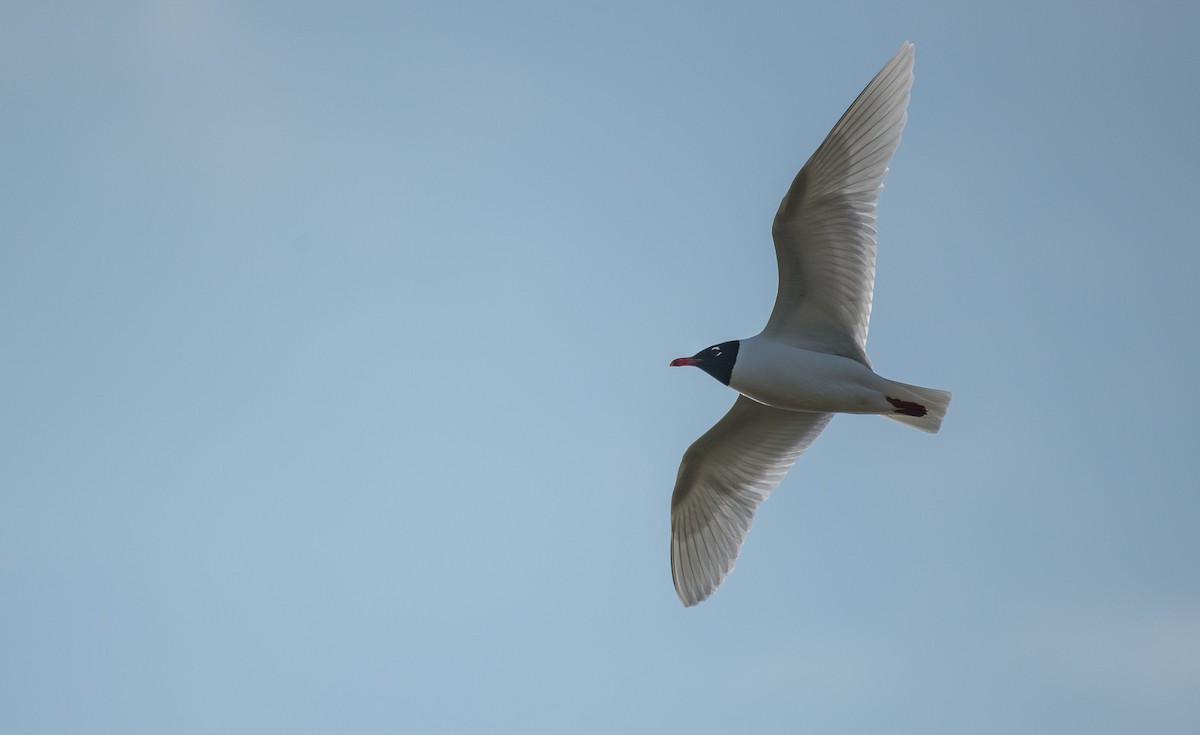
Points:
334	392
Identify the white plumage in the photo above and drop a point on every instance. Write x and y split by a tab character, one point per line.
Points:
810	360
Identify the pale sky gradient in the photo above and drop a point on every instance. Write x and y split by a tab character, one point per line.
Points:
334	393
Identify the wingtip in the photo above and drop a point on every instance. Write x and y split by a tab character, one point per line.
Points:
906	55
693	599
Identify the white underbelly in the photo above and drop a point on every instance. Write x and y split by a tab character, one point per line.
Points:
802	380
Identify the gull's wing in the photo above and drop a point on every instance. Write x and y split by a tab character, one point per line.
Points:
825	229
724	476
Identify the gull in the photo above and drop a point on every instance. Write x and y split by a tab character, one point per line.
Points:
810	360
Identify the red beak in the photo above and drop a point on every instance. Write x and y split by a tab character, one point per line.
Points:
681	361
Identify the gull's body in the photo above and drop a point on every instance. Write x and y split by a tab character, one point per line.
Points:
810	361
796	379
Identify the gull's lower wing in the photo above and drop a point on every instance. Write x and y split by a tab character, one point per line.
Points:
723	478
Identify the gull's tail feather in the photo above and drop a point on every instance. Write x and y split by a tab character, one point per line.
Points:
923	408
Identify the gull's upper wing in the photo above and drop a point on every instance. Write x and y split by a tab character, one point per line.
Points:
825	229
724	476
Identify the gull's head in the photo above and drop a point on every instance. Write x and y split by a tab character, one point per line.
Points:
717	360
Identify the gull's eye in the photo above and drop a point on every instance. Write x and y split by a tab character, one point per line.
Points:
716	351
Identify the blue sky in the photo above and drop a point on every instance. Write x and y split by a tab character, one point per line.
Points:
335	393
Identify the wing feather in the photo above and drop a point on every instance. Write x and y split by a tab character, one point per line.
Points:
723	478
824	231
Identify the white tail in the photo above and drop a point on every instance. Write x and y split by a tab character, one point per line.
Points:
934	402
